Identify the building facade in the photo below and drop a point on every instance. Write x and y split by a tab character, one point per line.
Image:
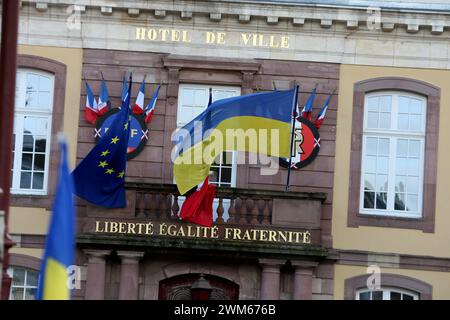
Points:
367	219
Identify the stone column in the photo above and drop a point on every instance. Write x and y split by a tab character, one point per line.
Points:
270	278
95	279
129	274
303	279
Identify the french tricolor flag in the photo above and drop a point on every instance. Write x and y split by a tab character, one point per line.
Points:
138	107
307	109
91	110
103	100
149	110
322	112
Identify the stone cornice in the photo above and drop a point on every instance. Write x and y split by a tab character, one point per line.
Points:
272	13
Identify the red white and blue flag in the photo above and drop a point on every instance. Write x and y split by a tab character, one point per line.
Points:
150	109
307	109
322	112
91	110
103	100
138	107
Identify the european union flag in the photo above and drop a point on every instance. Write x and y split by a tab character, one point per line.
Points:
60	242
100	176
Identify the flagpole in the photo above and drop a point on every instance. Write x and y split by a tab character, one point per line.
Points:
292	136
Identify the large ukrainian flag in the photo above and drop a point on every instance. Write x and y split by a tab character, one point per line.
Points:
60	243
223	123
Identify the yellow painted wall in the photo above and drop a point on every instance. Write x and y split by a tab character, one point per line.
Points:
391	240
35	220
440	281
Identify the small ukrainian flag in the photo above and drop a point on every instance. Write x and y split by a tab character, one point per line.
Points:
60	244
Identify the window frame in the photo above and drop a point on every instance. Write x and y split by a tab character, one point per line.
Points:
426	222
393	135
10	272
19	115
59	70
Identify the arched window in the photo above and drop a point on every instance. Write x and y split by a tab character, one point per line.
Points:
393	154
32	131
386	294
24	283
390	287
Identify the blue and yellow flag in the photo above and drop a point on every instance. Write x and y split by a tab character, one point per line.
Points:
259	123
60	243
100	176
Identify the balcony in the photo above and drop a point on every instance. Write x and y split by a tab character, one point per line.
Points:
245	221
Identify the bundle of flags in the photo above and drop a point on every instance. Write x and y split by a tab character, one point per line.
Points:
96	108
100	176
306	112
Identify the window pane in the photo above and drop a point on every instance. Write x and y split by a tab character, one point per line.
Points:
364	295
382	201
382	165
17	294
188	97
227	158
411	203
372	104
371	146
399	202
383	146
415	106
39	162
44	100
403	104
401	165
372	120
385	120
369	200
45	84
32	82
413	185
38	180
385	104
413	166
403	121
32	100
214	175
18	277
414	148
226	175
402	147
370	163
30	293
32	278
396	295
28	142
369	182
40	144
377	295
407	297
382	182
415	122
400	183
35	125
25	180
27	159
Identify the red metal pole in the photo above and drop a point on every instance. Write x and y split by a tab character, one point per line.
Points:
8	66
